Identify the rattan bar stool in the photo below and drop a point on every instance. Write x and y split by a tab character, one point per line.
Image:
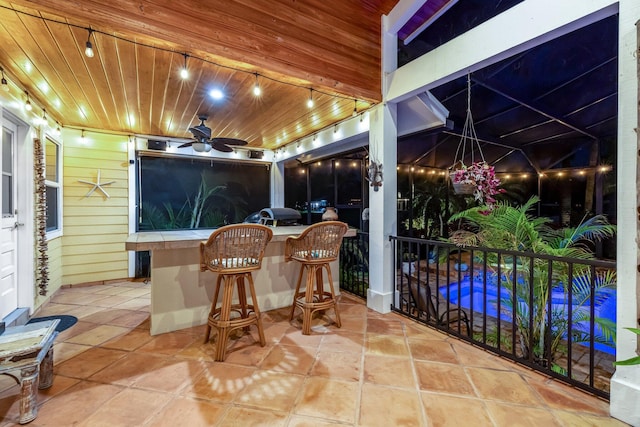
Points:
315	248
233	252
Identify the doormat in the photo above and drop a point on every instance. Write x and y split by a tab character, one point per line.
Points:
66	321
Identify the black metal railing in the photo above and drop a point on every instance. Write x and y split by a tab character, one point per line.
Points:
354	264
555	315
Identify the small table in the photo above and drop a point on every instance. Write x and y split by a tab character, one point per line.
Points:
26	355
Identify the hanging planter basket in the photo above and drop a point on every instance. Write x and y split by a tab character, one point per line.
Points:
478	178
462	187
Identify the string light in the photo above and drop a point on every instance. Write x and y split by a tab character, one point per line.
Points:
310	100
257	91
5	84
217	94
89	47
27	105
355	108
82	135
184	72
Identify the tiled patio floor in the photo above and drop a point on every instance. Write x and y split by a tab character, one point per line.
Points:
377	370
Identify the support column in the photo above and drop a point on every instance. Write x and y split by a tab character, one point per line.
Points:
625	384
383	211
277	185
383	137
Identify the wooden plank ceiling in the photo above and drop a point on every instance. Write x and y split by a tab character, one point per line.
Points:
132	84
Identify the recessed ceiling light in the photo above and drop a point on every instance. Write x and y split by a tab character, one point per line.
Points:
216	94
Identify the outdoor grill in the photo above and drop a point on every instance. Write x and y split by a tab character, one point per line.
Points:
279	216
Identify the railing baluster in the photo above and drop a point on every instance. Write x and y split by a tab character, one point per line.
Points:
494	329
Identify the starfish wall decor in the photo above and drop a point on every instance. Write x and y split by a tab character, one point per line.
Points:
97	185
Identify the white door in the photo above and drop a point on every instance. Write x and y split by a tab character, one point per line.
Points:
8	228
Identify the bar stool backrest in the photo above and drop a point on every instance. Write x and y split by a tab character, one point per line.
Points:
235	248
319	243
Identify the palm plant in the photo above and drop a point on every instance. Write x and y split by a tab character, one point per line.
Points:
543	325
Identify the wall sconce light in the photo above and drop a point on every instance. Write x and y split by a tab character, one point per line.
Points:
89	47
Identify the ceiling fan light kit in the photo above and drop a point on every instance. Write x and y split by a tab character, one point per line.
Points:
203	143
201	147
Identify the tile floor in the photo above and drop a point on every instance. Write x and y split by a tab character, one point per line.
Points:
377	370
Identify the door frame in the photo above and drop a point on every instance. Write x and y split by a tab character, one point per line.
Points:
25	261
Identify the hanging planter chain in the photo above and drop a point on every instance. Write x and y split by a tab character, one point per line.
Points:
468	132
479	177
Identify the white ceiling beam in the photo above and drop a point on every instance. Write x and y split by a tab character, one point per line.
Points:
429	21
516	30
401	14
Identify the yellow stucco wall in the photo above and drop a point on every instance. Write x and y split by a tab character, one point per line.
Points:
95	227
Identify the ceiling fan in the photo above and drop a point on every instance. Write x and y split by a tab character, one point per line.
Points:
203	142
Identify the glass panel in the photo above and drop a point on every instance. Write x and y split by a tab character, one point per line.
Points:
7	195
349	178
52	208
7	151
190	193
322	188
7	172
51	161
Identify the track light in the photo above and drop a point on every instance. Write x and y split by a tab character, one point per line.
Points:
89	49
5	84
184	72
257	91
355	108
310	100
27	105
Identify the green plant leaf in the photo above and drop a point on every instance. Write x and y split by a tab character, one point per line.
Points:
632	361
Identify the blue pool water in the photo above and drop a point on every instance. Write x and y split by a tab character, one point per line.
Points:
605	306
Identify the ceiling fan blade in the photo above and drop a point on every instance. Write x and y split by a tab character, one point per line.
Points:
229	141
200	132
221	147
186	144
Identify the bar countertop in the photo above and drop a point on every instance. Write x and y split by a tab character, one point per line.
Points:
179	239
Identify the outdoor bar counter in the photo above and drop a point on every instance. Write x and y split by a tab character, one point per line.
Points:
181	294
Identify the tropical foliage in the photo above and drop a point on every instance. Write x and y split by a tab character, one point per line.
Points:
529	282
633	360
208	206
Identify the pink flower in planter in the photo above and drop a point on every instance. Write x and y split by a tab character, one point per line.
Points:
483	177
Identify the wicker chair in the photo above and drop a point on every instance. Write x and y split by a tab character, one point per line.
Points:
233	252
315	248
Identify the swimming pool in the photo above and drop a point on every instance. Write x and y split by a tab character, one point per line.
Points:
472	292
